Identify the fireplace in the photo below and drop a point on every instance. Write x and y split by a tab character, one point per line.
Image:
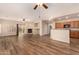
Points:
29	30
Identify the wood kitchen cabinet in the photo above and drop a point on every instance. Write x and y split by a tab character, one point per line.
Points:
59	25
74	24
74	34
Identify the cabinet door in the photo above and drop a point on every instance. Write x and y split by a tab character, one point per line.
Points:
76	24
72	24
74	34
59	25
77	34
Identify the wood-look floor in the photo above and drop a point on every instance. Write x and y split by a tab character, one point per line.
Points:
35	45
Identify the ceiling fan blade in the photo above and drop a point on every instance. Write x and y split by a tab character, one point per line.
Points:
45	6
35	7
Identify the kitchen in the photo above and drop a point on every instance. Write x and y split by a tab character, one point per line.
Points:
65	30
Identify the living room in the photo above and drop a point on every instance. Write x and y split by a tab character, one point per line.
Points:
39	29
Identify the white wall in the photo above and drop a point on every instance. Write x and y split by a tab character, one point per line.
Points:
53	25
0	29
44	28
8	29
41	28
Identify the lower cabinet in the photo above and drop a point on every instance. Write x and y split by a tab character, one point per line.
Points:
74	34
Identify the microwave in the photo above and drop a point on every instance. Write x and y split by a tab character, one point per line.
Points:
66	25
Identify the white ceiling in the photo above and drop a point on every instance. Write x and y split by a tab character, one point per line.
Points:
17	11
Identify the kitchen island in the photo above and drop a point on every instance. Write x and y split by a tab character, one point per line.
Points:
62	35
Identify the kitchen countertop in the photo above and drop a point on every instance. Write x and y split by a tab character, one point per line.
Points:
73	29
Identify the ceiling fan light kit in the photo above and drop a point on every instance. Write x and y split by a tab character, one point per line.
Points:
41	4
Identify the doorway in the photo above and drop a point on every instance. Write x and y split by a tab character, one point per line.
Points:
17	32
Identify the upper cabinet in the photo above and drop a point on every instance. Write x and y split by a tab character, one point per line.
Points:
71	24
74	24
59	25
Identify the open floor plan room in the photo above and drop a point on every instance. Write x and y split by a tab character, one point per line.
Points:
39	29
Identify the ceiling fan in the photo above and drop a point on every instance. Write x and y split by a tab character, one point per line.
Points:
43	4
